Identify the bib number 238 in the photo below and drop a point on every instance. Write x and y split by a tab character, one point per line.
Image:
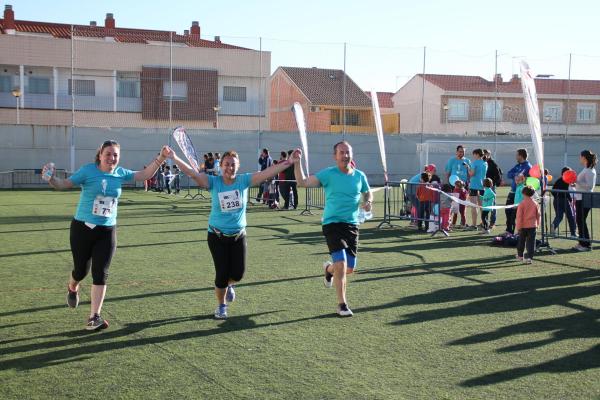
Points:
230	201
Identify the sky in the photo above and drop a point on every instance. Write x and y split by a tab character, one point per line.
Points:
384	41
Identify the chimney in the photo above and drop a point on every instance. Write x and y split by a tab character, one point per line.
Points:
9	20
515	78
195	30
217	39
186	32
93	23
498	78
109	22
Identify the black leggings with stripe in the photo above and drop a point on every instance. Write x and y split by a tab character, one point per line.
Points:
92	248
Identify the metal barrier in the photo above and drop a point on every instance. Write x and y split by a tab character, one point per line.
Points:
563	216
26	178
401	203
313	198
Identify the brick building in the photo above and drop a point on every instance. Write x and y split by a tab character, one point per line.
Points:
123	77
475	106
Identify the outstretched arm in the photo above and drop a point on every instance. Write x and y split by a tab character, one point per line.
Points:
268	173
57	183
151	169
200	178
302	180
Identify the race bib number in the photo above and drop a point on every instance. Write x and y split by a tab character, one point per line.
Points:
230	201
104	206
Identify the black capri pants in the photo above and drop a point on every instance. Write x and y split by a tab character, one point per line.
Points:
229	257
93	248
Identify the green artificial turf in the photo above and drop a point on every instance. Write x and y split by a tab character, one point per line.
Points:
435	318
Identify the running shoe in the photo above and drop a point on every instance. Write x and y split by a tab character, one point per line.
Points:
527	261
221	311
328	279
344	311
96	323
72	298
230	295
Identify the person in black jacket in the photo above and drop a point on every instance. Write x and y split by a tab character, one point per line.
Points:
563	204
494	172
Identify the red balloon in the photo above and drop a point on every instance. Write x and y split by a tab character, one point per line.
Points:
569	176
535	171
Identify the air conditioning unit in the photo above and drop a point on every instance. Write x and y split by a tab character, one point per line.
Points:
315	108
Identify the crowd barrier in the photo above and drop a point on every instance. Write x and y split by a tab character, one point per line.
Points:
401	204
26	178
562	216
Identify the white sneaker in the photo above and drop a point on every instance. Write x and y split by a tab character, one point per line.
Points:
527	261
328	278
344	311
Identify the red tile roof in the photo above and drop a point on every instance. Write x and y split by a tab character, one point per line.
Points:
384	99
122	35
465	83
324	86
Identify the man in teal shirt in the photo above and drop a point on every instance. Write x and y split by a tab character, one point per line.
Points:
343	186
458	165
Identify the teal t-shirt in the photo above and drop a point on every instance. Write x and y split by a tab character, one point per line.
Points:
100	192
488	198
480	169
228	203
342	194
519	193
456	167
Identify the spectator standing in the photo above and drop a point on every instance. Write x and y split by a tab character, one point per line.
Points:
586	181
521	168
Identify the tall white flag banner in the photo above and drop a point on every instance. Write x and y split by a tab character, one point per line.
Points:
299	114
379	129
533	112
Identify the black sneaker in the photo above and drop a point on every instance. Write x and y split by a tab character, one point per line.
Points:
344	311
96	323
72	298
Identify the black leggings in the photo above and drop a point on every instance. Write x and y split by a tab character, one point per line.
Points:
93	248
229	257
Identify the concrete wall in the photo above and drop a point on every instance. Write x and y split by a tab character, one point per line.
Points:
30	146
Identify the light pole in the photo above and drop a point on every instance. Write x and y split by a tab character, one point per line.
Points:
446	116
17	93
217	108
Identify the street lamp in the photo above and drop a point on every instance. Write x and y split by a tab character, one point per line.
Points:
17	93
217	108
446	116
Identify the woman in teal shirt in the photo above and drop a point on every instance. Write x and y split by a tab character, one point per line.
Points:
93	233
227	220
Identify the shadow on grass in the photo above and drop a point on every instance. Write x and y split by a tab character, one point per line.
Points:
510	296
157	294
83	345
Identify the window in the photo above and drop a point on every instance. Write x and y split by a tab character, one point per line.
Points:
5	84
352	118
234	93
38	85
552	112
179	90
586	113
458	110
128	88
491	114
82	87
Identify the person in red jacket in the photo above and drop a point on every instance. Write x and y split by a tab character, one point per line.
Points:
424	196
528	219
